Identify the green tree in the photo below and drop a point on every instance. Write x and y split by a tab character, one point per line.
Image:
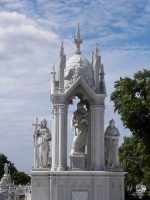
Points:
20	178
134	160
130	161
132	101
3	160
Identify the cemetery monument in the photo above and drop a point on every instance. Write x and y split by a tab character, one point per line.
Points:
77	77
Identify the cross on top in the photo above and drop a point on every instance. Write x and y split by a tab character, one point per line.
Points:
78	41
36	123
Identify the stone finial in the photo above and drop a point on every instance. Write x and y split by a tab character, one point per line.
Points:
53	67
78	41
102	81
62	48
97	49
92	58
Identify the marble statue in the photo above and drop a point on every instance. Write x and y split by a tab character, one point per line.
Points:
41	138
6	171
111	145
79	124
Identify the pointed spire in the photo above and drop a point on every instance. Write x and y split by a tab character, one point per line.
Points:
53	67
78	41
102	69
62	48
97	48
78	32
92	58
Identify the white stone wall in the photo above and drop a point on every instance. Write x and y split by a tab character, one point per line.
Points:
70	185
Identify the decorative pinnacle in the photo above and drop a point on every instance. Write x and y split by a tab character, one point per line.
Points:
97	48
78	41
102	69
78	32
62	48
53	67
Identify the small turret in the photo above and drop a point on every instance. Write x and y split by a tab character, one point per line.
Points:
61	66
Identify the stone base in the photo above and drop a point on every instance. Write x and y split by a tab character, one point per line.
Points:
41	169
77	162
76	185
119	169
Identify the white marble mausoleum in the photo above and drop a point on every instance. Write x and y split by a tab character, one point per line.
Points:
101	178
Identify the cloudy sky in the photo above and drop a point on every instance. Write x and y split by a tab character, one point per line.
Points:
30	36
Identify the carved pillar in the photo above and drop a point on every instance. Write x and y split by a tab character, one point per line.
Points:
97	138
63	110
55	139
89	143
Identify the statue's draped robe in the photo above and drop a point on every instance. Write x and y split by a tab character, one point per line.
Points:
81	133
43	148
111	146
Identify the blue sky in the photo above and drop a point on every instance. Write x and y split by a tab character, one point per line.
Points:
30	39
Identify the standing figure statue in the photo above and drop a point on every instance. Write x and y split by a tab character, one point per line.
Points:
6	170
111	145
79	124
41	138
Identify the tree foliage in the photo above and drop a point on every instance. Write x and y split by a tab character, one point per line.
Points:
132	101
134	160
20	178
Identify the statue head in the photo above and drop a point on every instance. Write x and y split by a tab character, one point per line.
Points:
111	123
80	106
44	123
83	110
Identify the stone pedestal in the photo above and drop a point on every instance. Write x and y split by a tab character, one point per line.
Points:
72	185
77	162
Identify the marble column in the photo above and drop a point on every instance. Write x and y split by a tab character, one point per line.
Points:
63	111
89	143
97	138
54	139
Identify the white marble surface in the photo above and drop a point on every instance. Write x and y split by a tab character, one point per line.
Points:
82	195
100	185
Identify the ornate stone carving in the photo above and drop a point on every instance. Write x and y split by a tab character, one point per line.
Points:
81	94
100	184
61	184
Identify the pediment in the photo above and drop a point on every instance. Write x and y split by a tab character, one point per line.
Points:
80	87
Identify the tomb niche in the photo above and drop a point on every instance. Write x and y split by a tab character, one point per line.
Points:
78	78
